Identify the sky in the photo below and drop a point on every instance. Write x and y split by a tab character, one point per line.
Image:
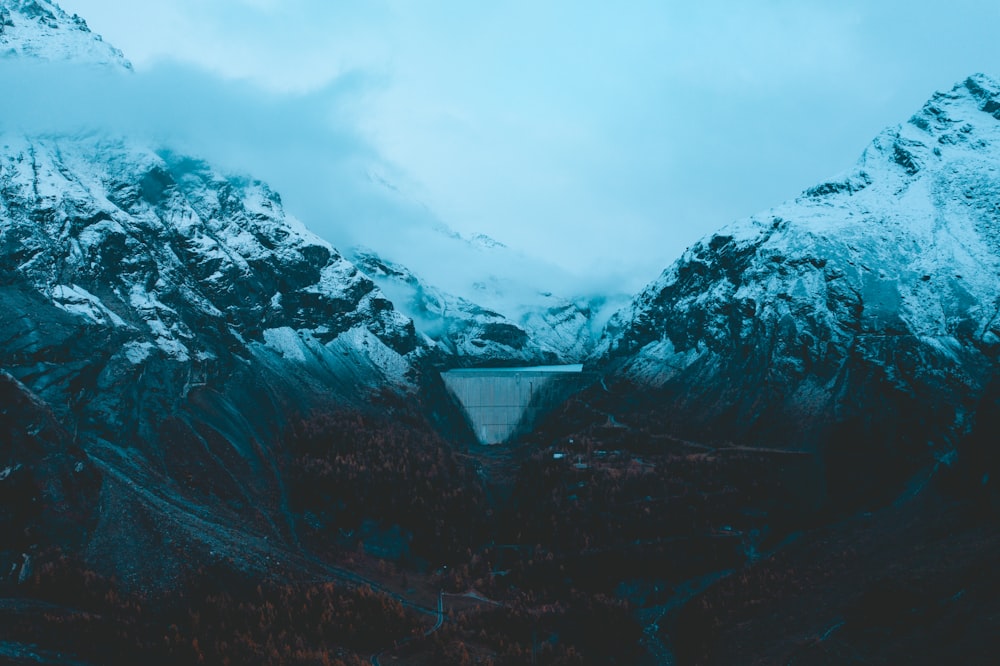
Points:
602	137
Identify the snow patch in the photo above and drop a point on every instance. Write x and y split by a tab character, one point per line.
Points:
287	342
78	301
137	352
393	366
7	471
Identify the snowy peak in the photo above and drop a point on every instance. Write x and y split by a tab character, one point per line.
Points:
178	266
947	111
962	122
484	241
883	281
963	119
42	30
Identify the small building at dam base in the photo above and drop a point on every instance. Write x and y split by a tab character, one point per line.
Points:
503	403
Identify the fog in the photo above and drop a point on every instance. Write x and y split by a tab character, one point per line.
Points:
306	146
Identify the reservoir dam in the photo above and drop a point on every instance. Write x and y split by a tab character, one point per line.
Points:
503	403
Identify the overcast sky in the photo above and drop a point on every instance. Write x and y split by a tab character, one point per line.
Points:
603	136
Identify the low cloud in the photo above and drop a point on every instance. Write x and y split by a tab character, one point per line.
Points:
604	138
306	146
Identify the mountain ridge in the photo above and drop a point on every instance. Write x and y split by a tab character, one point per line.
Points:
861	314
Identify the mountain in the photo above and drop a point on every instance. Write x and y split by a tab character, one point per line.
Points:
221	441
545	330
171	261
41	29
862	313
164	323
481	302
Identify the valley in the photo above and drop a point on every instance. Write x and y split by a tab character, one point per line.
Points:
225	441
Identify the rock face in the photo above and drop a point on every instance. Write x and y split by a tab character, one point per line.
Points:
546	330
173	319
869	304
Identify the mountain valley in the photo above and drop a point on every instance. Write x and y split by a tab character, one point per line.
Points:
222	440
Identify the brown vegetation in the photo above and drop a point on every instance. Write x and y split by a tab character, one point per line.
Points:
218	617
347	467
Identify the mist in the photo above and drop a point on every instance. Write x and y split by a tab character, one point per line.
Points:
598	138
303	145
306	146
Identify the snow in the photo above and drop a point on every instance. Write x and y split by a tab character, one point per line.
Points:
287	342
393	366
153	312
137	352
174	348
145	301
357	345
78	301
912	233
659	361
336	277
52	35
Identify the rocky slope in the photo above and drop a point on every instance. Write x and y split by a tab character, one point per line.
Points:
864	310
168	320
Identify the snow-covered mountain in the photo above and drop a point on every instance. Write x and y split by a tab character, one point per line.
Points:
515	326
182	262
167	321
872	298
41	29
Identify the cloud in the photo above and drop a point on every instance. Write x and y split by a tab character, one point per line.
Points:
601	137
307	146
282	46
591	135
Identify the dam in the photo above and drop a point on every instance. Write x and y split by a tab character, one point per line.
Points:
502	403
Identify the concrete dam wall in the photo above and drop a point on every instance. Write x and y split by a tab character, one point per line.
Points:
502	403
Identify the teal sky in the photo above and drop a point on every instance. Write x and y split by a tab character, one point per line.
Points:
605	137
